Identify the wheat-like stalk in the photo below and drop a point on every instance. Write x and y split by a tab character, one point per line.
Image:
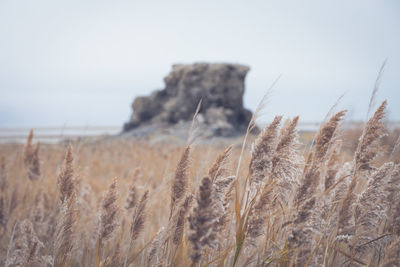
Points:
108	214
65	232
179	184
201	220
31	158
66	179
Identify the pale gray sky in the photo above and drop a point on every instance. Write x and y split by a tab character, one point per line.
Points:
82	62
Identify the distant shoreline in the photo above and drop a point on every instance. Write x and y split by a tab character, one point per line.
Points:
55	134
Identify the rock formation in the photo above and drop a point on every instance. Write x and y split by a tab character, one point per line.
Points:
221	88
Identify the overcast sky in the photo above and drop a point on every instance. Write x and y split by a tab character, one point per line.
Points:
82	62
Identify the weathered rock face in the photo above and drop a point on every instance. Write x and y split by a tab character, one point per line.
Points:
220	86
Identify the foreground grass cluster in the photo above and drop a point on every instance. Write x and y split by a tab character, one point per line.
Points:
274	203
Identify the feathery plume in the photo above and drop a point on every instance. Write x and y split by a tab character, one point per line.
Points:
392	189
3	174
222	198
371	203
179	184
180	220
371	207
395	149
263	152
137	224
305	226
286	161
308	184
252	124
392	255
66	183
392	186
323	141
394	227
365	153
108	214
24	247
3	214
31	158
305	230
65	232
325	135
201	220
153	255
367	147
218	168
131	199
258	215
343	177
332	166
139	217
115	260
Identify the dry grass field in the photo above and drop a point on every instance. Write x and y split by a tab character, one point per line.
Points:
271	202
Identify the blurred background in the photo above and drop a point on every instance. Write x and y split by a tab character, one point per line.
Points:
78	65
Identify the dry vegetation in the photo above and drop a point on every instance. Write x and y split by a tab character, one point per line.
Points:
278	203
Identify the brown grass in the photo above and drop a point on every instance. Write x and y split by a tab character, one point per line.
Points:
181	206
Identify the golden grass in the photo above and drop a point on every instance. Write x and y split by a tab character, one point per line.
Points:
129	203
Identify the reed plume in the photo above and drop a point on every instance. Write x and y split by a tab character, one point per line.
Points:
304	231
179	183
392	190
218	168
65	232
24	247
115	259
325	136
221	183
108	214
201	221
155	247
305	225
31	158
258	215
224	198
286	161
371	207
392	255
3	174
312	174
263	152
138	217
392	186
137	224
179	224
333	164
131	199
367	148
366	151
66	180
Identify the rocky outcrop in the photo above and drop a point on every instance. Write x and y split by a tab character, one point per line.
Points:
221	88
